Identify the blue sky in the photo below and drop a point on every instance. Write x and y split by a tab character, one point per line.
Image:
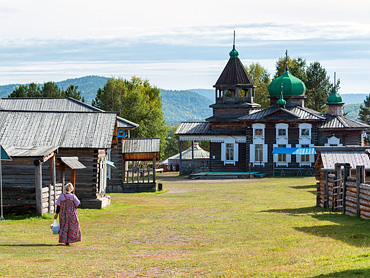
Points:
179	44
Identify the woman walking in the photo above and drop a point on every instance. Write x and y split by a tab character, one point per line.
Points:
67	204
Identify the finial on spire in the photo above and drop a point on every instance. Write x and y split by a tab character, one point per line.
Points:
286	60
234	41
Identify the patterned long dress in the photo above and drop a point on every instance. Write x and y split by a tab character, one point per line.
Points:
69	224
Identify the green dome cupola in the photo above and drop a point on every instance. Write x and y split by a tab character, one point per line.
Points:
292	86
281	102
335	98
233	53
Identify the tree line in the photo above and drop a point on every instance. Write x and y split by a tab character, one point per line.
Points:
138	101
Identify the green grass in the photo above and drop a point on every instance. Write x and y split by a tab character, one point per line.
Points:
238	228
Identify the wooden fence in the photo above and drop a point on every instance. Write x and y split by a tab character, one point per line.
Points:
340	191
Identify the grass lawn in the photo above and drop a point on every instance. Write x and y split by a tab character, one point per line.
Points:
266	227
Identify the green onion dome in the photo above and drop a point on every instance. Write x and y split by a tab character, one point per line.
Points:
233	53
292	86
281	101
335	98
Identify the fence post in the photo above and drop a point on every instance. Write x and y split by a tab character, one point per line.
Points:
360	178
347	173
338	177
326	193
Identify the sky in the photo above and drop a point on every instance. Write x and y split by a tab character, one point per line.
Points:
180	44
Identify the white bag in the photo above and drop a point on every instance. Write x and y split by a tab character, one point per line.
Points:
55	227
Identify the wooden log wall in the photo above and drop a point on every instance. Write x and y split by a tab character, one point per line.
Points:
87	180
357	192
325	189
47	197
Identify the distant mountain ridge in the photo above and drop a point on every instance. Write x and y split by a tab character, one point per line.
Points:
185	105
178	106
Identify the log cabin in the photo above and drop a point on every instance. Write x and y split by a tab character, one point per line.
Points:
278	139
86	135
114	154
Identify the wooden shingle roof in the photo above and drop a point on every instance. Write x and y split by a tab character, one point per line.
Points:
141	145
234	74
56	105
63	129
354	155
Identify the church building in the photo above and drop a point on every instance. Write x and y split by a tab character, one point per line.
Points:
243	137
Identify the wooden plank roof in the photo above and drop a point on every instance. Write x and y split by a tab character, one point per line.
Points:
234	74
329	156
72	162
141	145
56	105
30	151
63	129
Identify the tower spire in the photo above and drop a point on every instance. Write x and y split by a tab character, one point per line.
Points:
286	60
234	41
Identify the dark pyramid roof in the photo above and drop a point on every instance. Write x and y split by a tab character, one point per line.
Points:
234	74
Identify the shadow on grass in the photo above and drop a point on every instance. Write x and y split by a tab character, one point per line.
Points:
360	273
297	211
311	186
349	229
31	245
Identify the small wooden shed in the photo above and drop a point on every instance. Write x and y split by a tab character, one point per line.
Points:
328	157
139	178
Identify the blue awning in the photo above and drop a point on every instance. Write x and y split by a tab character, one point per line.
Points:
4	155
111	164
295	151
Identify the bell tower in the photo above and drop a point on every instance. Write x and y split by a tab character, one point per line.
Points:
234	90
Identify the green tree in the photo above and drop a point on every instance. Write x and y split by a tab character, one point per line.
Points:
364	113
30	90
296	67
318	87
49	89
72	92
135	100
261	79
172	147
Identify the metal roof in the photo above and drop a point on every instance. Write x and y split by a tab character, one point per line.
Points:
30	151
72	162
193	128
63	129
56	105
295	112
340	122
347	154
141	145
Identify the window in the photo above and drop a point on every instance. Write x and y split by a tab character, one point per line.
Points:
282	132
305	132
258	132
282	156
258	152
305	157
229	151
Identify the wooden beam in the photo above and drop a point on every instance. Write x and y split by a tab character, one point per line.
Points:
38	186
54	180
154	167
73	179
47	157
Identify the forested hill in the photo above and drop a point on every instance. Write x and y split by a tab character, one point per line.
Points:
186	105
177	105
88	85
